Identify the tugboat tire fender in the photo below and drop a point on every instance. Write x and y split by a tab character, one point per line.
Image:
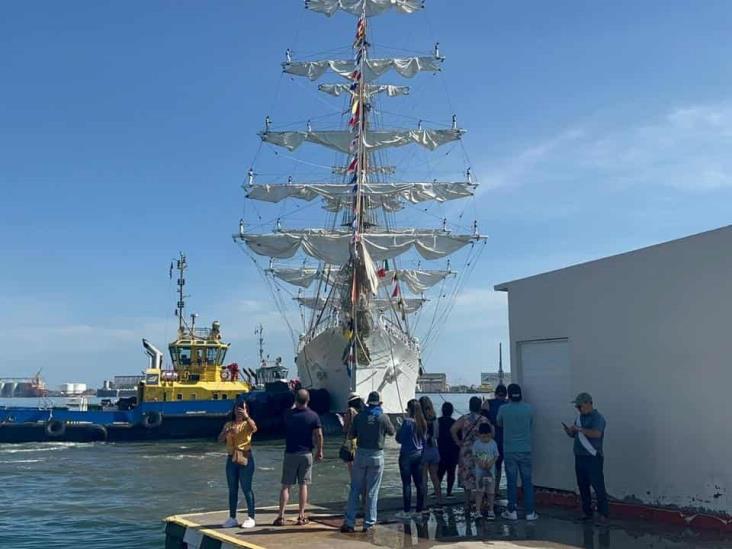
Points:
56	428
101	429
152	419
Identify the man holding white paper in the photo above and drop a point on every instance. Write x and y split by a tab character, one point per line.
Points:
588	432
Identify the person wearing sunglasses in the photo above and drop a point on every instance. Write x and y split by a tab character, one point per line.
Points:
588	432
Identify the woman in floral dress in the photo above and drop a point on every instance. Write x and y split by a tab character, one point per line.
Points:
464	432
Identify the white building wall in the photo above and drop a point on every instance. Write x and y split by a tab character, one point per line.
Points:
649	334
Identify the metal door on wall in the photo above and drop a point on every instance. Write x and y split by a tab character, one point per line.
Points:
546	384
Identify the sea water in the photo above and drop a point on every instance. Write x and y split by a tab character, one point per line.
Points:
66	495
107	495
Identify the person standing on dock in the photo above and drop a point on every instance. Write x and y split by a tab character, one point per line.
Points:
411	436
369	428
431	453
464	432
303	433
495	404
348	450
485	451
588	432
237	433
449	451
517	420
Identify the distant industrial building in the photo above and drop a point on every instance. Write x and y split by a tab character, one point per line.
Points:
494	378
647	333
71	389
432	383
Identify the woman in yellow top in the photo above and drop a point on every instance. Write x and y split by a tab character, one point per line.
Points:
237	433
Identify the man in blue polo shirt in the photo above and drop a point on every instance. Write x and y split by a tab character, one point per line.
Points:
517	420
303	433
588	431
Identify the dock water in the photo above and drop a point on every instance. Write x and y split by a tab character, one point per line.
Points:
447	527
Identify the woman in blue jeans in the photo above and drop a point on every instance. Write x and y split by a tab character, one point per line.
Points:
411	436
237	433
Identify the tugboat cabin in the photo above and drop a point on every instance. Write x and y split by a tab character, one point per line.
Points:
197	356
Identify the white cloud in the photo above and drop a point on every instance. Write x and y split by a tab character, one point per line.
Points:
686	148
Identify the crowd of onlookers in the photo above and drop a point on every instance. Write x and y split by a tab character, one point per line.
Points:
494	434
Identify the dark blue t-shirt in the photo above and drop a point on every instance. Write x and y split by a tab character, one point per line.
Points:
409	438
299	427
495	405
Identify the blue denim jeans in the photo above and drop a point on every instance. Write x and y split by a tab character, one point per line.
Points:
410	468
516	464
240	475
366	473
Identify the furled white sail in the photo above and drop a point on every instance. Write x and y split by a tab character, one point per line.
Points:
417	281
390	196
371	89
357	7
334	247
406	304
372	140
372	68
302	277
381	170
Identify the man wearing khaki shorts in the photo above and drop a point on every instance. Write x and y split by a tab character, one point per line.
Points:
303	432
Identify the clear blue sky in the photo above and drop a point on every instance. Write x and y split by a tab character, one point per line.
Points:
126	129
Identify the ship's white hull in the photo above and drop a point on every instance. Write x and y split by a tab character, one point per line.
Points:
393	370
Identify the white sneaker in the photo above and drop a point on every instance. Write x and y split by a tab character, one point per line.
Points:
248	523
532	516
230	523
509	515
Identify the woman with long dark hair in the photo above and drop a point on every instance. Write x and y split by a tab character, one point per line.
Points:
237	434
431	453
449	451
464	432
411	436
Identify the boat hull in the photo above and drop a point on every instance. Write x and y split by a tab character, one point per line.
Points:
393	370
146	422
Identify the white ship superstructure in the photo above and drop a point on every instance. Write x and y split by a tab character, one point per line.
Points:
356	282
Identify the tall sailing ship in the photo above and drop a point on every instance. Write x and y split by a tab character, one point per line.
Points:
360	278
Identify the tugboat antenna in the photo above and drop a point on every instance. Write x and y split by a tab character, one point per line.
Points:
260	331
181	265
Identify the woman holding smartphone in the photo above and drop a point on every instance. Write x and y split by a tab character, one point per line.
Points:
237	434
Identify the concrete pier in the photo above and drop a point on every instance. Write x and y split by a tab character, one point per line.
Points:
447	527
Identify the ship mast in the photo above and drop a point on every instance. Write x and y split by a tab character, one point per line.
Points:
358	111
350	256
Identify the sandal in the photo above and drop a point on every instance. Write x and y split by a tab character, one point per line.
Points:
302	521
279	521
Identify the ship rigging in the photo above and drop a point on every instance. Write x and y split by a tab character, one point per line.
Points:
361	285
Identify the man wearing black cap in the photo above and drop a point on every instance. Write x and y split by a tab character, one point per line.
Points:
369	428
588	432
517	420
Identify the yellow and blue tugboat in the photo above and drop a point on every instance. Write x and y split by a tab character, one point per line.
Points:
191	399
